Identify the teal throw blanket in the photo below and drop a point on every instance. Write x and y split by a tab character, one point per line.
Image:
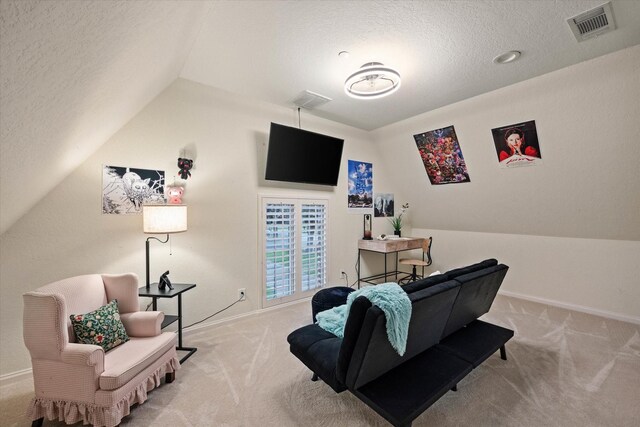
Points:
390	298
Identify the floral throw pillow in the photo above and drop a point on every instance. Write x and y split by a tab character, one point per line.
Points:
101	327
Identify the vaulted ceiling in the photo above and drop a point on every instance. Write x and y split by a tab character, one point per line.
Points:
73	73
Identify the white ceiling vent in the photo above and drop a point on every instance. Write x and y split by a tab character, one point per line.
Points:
310	100
592	23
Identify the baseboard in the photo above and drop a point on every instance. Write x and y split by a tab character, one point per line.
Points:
242	315
574	307
11	377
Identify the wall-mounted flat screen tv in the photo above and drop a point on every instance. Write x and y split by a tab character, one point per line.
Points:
296	155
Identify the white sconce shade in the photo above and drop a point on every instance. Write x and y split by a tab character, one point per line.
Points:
164	219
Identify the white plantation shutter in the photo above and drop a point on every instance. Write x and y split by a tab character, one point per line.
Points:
280	250
313	245
294	248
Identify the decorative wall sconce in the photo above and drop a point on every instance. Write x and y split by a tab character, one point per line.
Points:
367	227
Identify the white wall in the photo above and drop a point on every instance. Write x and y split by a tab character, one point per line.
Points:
588	122
570	228
592	275
66	234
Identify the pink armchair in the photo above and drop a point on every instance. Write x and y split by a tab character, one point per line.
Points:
80	382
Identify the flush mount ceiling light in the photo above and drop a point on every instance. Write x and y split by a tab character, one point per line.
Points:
372	80
507	57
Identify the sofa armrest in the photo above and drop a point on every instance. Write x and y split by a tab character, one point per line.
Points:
75	377
328	298
143	323
84	354
44	325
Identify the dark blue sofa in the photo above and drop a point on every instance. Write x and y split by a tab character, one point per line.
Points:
446	341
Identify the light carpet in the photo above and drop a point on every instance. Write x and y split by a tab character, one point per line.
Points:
564	368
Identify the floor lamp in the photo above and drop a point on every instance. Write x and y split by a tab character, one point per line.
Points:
162	219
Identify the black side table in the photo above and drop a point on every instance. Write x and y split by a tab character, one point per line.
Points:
178	289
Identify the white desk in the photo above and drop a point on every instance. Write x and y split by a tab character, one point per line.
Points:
386	247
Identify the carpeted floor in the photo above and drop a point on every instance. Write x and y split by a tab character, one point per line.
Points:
564	369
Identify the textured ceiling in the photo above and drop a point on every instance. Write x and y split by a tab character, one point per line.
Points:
71	75
273	50
74	72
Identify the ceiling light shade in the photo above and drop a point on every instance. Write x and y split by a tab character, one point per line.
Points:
164	219
373	80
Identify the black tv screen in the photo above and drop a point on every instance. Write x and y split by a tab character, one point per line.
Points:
297	155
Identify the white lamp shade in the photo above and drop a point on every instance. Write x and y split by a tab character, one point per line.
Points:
164	219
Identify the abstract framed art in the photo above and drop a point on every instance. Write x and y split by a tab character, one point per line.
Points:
442	157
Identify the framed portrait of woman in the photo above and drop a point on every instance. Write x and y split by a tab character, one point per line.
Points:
517	145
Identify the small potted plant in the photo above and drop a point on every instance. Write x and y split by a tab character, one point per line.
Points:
396	221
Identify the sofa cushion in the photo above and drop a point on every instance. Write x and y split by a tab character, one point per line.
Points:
81	294
475	342
352	328
477	292
403	393
101	327
303	338
318	350
373	356
452	274
124	362
425	283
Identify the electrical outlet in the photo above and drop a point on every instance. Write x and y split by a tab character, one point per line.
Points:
242	294
343	273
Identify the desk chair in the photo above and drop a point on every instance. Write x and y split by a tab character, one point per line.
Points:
426	253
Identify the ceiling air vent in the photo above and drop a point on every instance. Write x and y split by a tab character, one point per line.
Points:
310	100
592	23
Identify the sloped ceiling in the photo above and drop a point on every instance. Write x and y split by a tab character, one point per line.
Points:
443	49
72	74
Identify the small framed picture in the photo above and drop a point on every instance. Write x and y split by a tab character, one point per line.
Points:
383	205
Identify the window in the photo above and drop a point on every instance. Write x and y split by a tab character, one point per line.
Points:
294	248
